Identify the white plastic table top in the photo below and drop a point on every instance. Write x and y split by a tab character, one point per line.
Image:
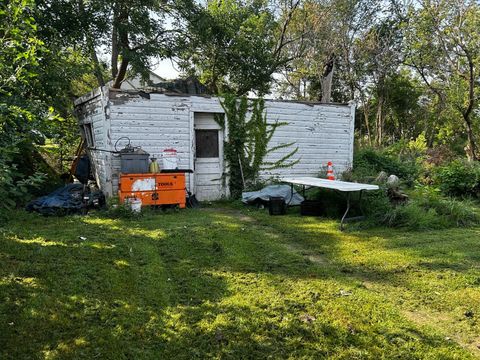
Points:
343	186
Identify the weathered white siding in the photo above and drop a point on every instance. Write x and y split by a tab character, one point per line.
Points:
91	109
155	124
322	132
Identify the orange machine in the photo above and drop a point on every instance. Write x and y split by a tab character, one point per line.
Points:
153	189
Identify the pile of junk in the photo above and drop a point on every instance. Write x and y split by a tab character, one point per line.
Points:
77	197
141	183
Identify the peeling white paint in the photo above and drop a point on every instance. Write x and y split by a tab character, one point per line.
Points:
322	132
147	184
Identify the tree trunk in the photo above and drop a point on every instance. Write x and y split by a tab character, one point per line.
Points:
471	148
121	43
121	74
366	115
114	51
327	79
96	63
380	117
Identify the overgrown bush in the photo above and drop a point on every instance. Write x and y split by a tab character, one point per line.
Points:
459	178
409	150
439	155
367	163
426	209
15	188
246	147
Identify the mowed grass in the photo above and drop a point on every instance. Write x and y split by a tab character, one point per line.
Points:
234	283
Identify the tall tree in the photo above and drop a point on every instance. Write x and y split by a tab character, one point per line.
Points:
444	49
329	30
234	45
133	32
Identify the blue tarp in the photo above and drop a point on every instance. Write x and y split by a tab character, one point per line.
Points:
264	195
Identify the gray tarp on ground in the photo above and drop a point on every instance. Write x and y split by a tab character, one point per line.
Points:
273	191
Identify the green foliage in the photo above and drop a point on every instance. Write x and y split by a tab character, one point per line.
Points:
367	163
442	46
231	46
39	76
14	188
455	212
426	210
21	114
409	150
459	178
247	143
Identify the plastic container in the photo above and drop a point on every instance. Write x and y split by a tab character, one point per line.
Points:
170	159
134	162
135	205
277	206
154	168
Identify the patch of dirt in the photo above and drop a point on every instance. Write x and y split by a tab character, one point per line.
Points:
313	258
231	212
424	318
317	259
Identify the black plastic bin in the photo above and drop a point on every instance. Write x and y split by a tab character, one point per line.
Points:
134	162
277	206
312	208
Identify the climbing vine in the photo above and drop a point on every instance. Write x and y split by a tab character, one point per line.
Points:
247	143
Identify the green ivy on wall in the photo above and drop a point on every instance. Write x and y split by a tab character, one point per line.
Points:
247	142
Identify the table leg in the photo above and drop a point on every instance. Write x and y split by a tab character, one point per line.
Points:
346	211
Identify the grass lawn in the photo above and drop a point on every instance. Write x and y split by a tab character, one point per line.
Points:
235	283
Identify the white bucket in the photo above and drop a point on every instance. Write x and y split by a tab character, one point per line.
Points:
169	159
135	205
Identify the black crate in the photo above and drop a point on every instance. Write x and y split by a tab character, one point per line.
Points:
312	208
277	206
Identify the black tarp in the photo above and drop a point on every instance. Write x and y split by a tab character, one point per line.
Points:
66	200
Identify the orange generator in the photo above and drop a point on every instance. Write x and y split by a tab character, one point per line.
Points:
154	189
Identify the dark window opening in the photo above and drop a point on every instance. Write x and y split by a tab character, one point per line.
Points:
87	129
206	143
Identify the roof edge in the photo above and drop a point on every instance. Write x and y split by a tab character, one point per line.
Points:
97	92
90	96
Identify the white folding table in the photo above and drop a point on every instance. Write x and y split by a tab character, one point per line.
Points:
340	186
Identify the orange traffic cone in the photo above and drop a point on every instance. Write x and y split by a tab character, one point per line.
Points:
330	175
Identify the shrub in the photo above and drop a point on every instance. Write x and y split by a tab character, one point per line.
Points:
368	163
439	155
413	217
459	213
409	150
459	178
426	210
14	187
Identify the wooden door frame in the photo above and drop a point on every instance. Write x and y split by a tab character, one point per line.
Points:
221	139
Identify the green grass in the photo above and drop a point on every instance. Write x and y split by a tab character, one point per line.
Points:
234	283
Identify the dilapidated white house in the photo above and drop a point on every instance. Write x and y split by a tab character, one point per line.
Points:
156	121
